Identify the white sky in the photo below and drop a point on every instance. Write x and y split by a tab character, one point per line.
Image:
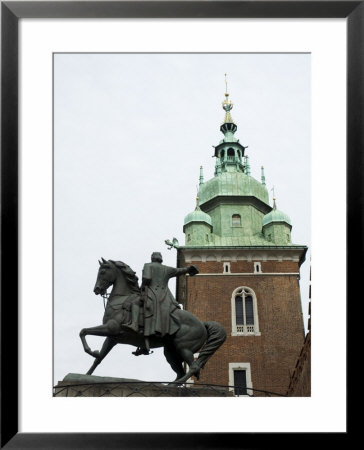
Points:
130	133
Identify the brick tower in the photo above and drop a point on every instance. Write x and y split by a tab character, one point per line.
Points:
249	273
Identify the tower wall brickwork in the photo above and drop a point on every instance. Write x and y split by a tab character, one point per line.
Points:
273	353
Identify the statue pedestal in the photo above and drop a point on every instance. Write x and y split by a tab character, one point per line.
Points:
77	385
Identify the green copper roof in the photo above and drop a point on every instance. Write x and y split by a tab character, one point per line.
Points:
275	216
234	184
235	209
197	216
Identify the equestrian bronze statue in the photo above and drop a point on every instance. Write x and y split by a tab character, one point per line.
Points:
149	317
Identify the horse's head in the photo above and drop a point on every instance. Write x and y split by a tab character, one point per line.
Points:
106	276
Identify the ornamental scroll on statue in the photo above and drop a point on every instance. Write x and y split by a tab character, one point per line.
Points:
149	317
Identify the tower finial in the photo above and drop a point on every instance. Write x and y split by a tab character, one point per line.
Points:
274	199
197	208
227	105
263	177
201	175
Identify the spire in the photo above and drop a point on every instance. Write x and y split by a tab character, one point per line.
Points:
201	175
263	177
227	105
229	152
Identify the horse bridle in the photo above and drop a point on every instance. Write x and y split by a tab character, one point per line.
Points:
106	298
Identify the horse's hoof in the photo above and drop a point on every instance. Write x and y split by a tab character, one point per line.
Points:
181	380
175	383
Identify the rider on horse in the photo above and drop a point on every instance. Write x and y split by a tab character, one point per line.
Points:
159	303
162	318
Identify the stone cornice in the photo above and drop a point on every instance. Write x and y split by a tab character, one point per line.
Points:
237	200
247	274
251	253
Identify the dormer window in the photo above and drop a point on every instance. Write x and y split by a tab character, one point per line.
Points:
236	220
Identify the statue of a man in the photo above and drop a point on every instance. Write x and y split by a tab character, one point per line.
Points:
159	303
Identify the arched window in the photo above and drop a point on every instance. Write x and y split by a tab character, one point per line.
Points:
236	220
230	154
257	267
244	312
222	154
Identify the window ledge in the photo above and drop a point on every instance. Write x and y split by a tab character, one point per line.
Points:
235	333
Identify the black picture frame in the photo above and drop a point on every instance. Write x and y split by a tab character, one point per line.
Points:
11	12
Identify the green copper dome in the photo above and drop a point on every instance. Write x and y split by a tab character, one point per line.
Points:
232	184
197	216
276	216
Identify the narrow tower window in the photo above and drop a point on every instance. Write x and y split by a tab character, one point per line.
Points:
226	268
236	220
257	267
244	312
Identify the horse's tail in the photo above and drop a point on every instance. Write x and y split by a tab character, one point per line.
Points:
216	336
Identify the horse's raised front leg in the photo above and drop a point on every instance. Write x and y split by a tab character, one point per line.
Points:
108	344
111	328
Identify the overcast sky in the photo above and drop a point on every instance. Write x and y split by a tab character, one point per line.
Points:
130	134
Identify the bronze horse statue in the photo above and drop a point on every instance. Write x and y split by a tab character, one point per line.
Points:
191	337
